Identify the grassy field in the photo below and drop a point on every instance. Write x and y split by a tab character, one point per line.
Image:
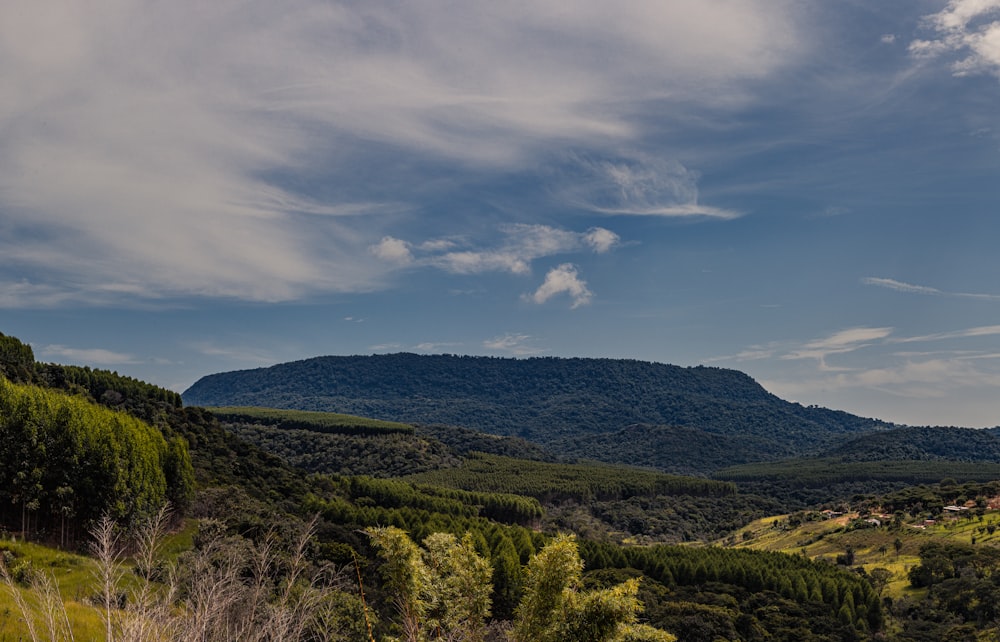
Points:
873	547
309	420
74	576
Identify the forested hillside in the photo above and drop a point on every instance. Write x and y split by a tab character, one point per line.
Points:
545	400
923	444
500	510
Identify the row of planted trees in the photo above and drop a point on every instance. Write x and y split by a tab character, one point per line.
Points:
64	461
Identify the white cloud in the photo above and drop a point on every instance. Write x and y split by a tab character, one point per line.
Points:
436	347
901	286
522	244
967	28
840	342
149	138
563	279
242	353
393	250
517	344
601	240
87	356
475	262
382	347
635	184
980	331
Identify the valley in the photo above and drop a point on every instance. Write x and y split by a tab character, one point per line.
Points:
743	516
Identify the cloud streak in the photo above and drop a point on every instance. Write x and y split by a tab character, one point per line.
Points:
521	245
841	342
88	356
636	184
513	343
909	288
155	139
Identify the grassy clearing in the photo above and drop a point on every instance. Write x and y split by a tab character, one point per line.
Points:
873	547
72	574
310	420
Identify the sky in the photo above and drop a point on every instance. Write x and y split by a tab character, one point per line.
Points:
803	190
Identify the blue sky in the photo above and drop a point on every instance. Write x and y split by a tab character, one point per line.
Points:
806	191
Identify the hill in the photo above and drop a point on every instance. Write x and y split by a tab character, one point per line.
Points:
546	400
922	444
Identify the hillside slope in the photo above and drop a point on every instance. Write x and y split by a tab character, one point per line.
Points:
546	400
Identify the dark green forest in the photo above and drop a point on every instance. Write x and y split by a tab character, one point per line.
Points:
547	400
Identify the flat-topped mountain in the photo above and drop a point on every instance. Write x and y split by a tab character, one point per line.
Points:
547	400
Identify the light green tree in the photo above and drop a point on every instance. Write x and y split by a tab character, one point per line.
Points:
441	591
555	608
406	578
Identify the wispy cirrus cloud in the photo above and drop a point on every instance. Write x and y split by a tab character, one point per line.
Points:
239	353
844	341
909	288
157	139
88	356
636	184
513	343
919	379
967	333
915	377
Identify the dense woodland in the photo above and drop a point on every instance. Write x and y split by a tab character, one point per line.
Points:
251	482
547	400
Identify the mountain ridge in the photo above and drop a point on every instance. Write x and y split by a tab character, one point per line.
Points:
546	399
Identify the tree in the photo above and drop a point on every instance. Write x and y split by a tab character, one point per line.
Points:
880	578
441	591
406	577
555	608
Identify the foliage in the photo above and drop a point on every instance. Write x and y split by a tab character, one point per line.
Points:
556	606
324	422
541	399
229	588
801	483
17	360
382	455
710	593
604	501
463	441
962	585
331	443
109	388
921	444
64	461
441	591
584	482
684	450
494	520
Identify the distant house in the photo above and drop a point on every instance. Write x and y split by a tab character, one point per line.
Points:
874	522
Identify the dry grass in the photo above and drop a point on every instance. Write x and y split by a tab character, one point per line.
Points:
227	590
